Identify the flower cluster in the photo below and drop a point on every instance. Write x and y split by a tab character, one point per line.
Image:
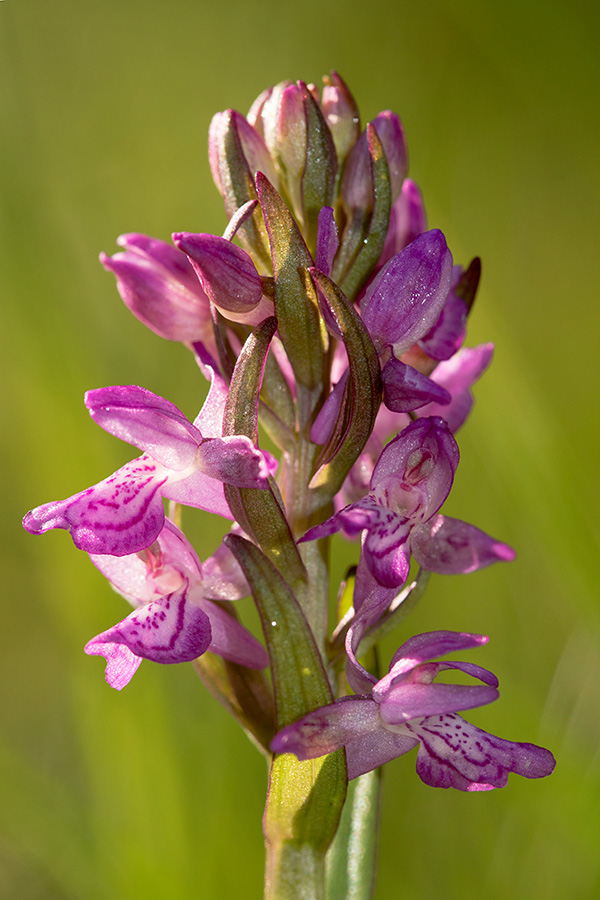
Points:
337	322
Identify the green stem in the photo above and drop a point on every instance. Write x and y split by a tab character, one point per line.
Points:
300	820
352	858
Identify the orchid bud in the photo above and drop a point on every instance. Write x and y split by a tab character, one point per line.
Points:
160	287
236	152
356	189
251	144
341	114
291	138
264	114
254	115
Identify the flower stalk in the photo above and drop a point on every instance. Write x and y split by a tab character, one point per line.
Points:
335	325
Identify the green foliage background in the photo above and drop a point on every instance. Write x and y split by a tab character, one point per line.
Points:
154	793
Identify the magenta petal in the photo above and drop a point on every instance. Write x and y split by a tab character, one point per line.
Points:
447	335
328	414
430	645
147	421
328	728
405	389
161	254
226	272
386	551
159	286
121	663
451	547
361	681
171	629
455	754
352	519
412	701
424	457
407	221
391	134
120	515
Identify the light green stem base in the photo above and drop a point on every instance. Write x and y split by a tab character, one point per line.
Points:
294	872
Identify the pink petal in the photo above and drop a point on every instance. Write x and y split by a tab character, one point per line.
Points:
386	551
222	576
200	491
209	420
147	421
430	645
169	630
457	375
370	751
159	286
154	572
328	728
412	701
121	663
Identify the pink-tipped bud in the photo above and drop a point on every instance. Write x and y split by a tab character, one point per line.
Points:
391	134
357	189
341	114
234	145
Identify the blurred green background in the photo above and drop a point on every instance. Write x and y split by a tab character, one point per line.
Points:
155	793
